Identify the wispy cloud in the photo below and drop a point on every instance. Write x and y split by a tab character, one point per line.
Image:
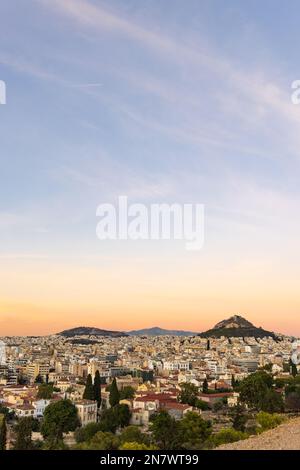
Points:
254	88
8	219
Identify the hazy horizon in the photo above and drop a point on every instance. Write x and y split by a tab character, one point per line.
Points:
142	327
188	102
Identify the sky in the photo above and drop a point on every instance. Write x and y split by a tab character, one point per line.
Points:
164	102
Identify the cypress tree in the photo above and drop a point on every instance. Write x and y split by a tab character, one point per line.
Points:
2	432
88	393
205	386
97	388
233	381
38	379
293	369
23	431
114	396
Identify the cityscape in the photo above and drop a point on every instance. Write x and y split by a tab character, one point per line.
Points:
149	232
92	389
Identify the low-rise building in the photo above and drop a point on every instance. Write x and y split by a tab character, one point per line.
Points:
87	411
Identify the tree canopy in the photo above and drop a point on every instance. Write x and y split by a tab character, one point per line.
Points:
257	391
97	388
59	417
114	395
88	393
188	394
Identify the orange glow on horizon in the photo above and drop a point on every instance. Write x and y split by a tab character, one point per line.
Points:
43	298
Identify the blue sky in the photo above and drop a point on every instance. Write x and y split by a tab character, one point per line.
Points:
182	101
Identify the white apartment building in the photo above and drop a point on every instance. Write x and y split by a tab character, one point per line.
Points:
87	411
39	407
176	365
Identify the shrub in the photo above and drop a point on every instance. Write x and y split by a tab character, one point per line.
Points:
136	446
292	401
202	405
268	421
133	434
87	432
101	441
226	436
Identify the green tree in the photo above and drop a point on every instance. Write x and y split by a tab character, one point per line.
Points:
208	345
108	421
293	369
238	417
86	433
54	444
6	412
101	441
23	432
194	430
2	432
268	367
39	379
127	393
202	405
136	446
205	386
88	393
254	389
97	388
45	391
272	402
188	394
122	414
133	434
59	417
268	420
164	430
114	395
292	400
219	405
226	436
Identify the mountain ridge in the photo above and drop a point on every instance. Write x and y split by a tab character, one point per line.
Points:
90	331
157	331
237	326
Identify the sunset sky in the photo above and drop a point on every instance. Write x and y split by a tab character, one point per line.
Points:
165	102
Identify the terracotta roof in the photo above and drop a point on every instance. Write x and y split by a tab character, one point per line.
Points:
216	395
176	406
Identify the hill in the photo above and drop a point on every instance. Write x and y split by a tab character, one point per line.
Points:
90	331
284	437
236	326
157	331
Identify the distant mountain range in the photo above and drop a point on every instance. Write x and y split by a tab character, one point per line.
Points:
90	331
237	326
157	331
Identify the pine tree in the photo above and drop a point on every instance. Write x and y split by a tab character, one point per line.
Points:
2	432
293	369
38	379
23	432
114	396
88	393
205	386
97	388
232	381
208	345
